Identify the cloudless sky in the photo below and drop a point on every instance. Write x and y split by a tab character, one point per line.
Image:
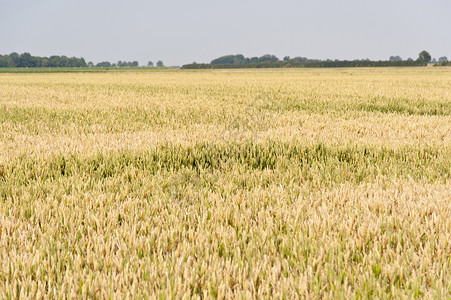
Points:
181	31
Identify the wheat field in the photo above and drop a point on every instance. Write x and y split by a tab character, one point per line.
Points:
313	183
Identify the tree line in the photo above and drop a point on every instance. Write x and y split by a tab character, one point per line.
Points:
107	64
26	60
271	61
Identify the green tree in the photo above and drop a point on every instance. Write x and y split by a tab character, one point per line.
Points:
6	62
253	60
395	58
160	64
268	58
104	64
229	59
150	64
424	57
44	62
299	59
15	57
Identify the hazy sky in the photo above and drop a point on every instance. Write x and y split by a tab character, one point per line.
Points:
179	32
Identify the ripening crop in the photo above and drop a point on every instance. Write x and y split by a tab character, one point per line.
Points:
226	184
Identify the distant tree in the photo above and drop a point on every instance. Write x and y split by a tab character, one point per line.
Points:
135	64
424	57
443	59
253	60
63	61
286	58
229	59
150	64
104	64
44	62
15	57
6	61
299	59
54	61
25	61
395	58
410	59
82	62
90	64
268	58
160	64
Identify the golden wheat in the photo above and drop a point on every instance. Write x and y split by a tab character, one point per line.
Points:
223	184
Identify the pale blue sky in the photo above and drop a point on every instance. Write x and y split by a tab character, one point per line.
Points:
179	32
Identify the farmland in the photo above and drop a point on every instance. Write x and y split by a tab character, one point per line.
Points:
226	183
